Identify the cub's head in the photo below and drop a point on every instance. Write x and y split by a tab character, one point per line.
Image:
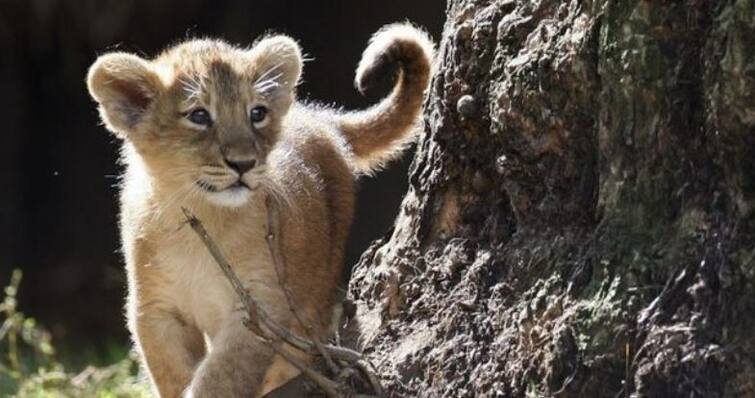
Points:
203	115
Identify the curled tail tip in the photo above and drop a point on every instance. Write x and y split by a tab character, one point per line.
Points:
398	43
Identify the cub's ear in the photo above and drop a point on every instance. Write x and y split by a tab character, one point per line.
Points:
277	63
125	86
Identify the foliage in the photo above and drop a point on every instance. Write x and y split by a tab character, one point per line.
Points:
30	368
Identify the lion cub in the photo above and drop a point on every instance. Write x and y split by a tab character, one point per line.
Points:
216	129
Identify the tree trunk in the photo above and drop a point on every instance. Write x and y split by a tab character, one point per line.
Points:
581	212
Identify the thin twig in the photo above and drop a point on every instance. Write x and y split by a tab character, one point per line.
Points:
331	388
325	355
273	230
258	317
246	299
273	243
364	367
254	309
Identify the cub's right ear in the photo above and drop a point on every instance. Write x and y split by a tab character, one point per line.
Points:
125	86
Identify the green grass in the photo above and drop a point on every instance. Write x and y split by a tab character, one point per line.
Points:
29	366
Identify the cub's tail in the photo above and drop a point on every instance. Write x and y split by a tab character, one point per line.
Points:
378	134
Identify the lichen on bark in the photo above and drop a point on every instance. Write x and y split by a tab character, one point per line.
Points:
580	214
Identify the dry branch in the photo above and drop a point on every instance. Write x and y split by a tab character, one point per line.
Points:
331	388
253	308
259	320
273	243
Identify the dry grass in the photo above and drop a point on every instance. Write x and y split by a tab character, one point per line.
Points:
29	366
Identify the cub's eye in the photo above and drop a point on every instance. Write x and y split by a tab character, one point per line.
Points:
258	114
200	116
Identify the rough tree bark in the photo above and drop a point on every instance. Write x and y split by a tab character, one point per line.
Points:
581	212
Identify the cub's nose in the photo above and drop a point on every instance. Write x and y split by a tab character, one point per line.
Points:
241	166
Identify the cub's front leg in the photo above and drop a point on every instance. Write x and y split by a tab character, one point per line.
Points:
235	366
171	349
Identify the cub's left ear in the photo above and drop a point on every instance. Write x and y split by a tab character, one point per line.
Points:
125	86
277	62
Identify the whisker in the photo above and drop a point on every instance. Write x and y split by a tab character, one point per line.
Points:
174	198
193	86
279	194
269	70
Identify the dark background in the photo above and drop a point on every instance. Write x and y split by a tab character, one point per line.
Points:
58	170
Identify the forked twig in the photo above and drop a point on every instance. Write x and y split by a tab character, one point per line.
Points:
364	367
259	318
331	388
273	243
250	305
273	230
253	308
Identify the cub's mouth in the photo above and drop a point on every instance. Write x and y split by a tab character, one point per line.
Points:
237	185
233	195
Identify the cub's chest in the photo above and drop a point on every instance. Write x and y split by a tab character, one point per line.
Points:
193	283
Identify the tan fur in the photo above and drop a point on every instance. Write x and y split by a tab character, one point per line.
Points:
185	318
